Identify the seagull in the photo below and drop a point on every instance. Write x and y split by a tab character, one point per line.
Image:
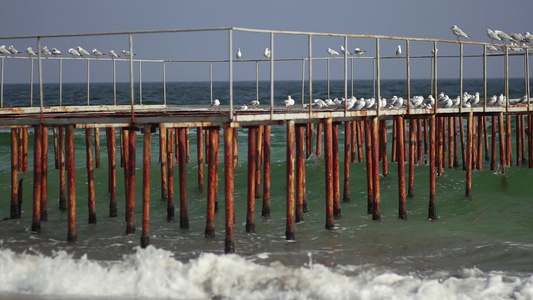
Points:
112	54
4	51
492	100
267	53
73	52
503	36
492	48
243	107
289	101
12	50
493	35
239	53
215	103
344	50
30	51
254	103
45	51
459	33
127	53
96	53
332	52
358	52
434	51
528	37
83	52
517	37
399	51
55	51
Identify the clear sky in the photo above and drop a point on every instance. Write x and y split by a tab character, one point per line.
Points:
411	18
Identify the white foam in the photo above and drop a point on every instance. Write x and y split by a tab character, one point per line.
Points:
154	273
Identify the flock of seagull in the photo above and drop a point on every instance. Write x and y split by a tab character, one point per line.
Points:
77	52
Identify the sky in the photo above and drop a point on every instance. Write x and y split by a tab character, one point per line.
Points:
409	18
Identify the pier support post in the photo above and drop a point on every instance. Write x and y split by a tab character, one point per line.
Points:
432	210
15	207
229	182
354	140
182	136
290	227
348	141
300	171
71	173
319	130
479	161
493	150
383	147
125	153
508	141
90	176
376	212
169	172
258	161
55	133
530	140
163	158
112	170
369	165
37	178
503	155
469	154
97	147
147	142
212	182
265	212
400	144
200	156
44	176
328	157
336	171
132	146
252	152
451	139
412	149
309	141
25	150
62	171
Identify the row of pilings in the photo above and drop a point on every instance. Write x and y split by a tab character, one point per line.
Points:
440	141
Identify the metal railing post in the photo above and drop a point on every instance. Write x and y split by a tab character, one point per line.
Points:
114	82
132	90
460	77
303	81
211	81
435	73
140	84
378	74
61	82
88	81
485	78
408	70
231	74
2	85
506	66
310	52
40	80
31	82
528	85
272	53
345	75
328	75
164	83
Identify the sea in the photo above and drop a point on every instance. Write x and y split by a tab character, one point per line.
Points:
478	247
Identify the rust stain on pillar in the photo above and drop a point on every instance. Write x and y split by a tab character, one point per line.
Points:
252	152
184	212
147	151
290	225
112	171
90	176
37	178
432	210
200	156
400	144
229	188
212	183
328	157
300	171
265	212
132	146
62	171
336	170
71	171
14	211
348	142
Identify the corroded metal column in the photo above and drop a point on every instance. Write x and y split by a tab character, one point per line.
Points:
147	142
229	182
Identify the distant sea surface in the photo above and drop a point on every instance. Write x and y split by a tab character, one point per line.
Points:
478	247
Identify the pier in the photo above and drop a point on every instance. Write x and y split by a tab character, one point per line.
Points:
440	134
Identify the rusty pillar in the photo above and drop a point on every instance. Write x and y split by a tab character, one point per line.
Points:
188	145
252	152
55	133
455	142
486	138
319	129
369	168
530	139
125	137
15	207
147	152
62	171
229	182
383	147
112	170
451	139
265	212
347	158
300	170
90	176
132	145
360	139
169	161
71	171
163	159
235	147
400	143
376	212
309	141
426	137
212	183
518	139
122	148
353	140
494	131
523	137
37	178
412	149
439	146
20	149
328	157
291	166
97	147
258	161
25	150
479	143
461	132
420	140
503	155
432	210
336	171
469	154
508	141
182	136
44	176
200	156
394	146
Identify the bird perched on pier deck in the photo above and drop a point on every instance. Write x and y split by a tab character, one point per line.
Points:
459	33
215	103
289	101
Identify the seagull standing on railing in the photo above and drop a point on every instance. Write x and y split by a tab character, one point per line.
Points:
358	52
30	51
55	52
127	53
112	54
492	48
459	33
267	53
344	50
528	37
96	53
239	53
45	51
517	37
83	52
332	52
215	103
4	51
493	36
254	103
399	51
503	36
12	50
73	52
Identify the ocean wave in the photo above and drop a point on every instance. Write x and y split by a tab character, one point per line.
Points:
155	273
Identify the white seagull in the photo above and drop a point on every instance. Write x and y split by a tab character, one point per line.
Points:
343	51
267	53
254	103
12	50
239	53
517	37
503	36
127	53
83	52
332	52
30	51
73	52
45	51
289	101
493	36
459	33
215	103
243	107
55	51
96	53
398	51
4	51
528	37
358	52
112	54
492	48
